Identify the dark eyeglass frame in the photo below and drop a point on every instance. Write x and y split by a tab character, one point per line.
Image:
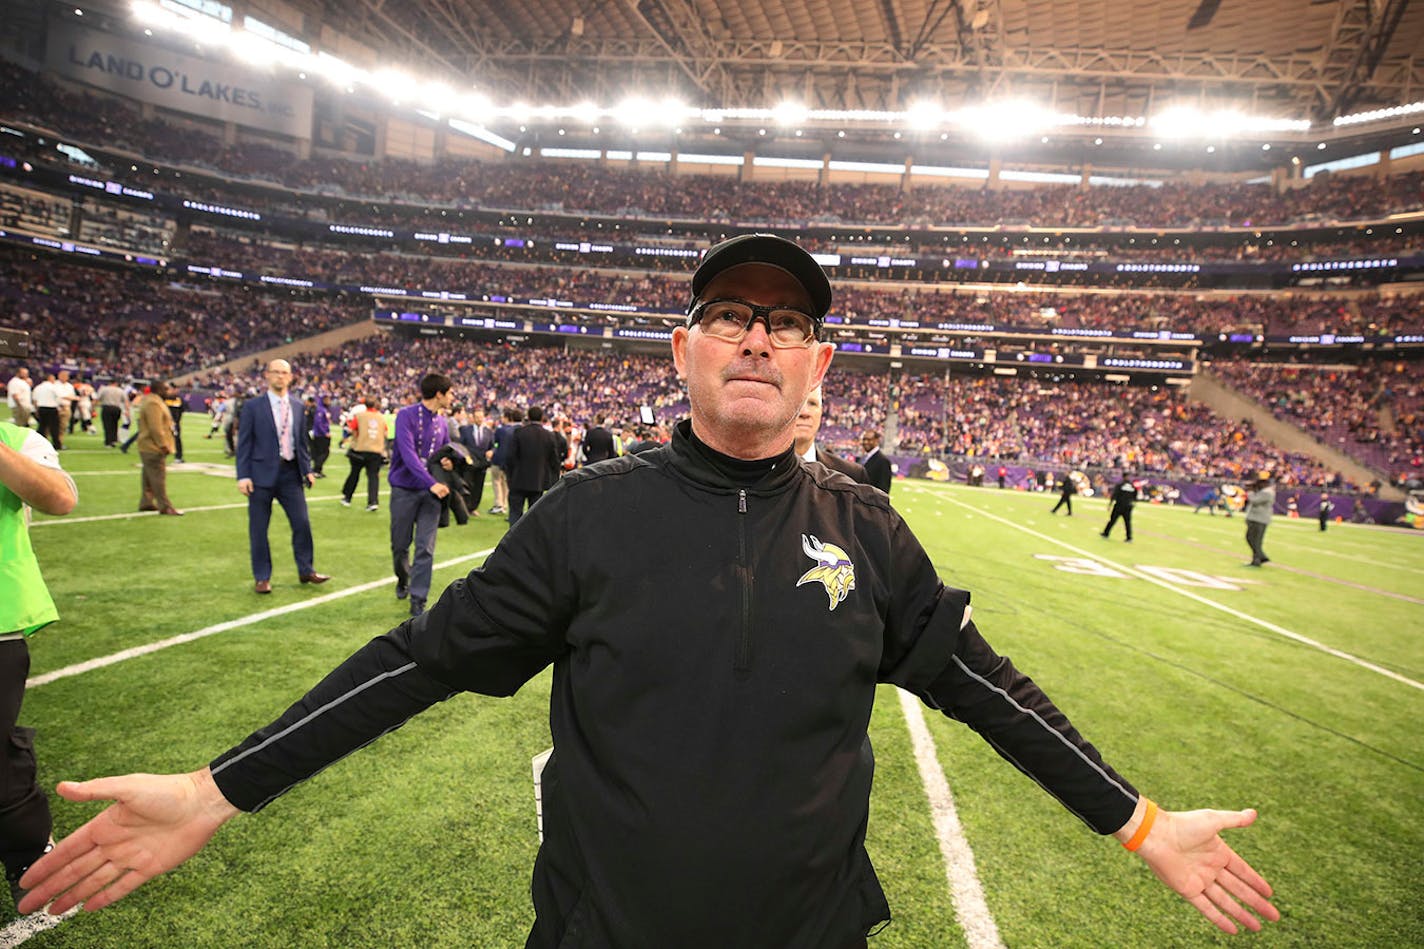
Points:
758	312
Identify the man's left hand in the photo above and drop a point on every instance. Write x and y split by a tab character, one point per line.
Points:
1186	852
447	464
311	479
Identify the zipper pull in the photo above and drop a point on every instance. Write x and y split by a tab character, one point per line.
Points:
742	501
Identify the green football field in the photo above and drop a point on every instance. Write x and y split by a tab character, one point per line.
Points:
1295	689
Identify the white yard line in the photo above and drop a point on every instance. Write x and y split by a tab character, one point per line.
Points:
1264	624
23	928
51	521
109	660
980	931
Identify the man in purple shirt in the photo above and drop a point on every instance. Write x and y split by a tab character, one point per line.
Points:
421	430
318	426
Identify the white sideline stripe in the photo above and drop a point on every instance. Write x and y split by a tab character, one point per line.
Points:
980	931
109	660
23	928
132	514
1157	581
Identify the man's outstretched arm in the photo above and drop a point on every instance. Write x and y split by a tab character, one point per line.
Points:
156	822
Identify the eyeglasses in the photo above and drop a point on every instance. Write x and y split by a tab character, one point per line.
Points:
731	320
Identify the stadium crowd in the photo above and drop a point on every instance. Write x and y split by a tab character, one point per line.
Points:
581	187
1370	412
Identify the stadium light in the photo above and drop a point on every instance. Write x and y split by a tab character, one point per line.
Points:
438	97
398	86
585	112
997	121
790	113
1376	115
632	111
339	71
923	116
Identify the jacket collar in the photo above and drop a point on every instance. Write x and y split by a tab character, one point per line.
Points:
710	469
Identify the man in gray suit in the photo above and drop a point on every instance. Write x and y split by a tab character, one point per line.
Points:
808	424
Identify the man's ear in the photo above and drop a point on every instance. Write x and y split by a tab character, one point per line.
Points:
824	353
679	350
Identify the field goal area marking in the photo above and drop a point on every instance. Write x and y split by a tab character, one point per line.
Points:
1247	617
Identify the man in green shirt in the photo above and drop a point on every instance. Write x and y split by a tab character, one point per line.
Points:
30	476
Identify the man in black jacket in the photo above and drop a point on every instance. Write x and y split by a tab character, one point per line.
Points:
1124	496
532	464
1066	489
718	616
877	466
597	442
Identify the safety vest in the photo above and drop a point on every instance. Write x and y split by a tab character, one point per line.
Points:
25	603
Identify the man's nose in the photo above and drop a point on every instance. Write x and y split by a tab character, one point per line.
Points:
758	338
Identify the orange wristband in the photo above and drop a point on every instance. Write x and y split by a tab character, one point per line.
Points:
1144	828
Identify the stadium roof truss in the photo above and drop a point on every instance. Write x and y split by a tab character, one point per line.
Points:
1290	58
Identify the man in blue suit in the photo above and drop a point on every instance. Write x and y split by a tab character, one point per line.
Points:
273	463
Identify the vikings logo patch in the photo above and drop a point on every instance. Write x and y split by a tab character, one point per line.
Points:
833	569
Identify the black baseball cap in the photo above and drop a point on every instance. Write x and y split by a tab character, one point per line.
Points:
766	249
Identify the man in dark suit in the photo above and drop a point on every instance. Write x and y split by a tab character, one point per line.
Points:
499	461
598	441
876	464
808	423
478	438
532	465
273	464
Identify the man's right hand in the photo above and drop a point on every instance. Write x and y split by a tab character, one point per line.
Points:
156	822
439	489
245	486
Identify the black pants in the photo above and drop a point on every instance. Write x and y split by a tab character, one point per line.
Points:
320	451
1062	500
1124	512
518	500
370	462
24	811
109	416
1255	536
475	481
48	419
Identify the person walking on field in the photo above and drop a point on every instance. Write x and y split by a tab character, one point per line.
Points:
1260	503
1124	496
273	464
155	443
